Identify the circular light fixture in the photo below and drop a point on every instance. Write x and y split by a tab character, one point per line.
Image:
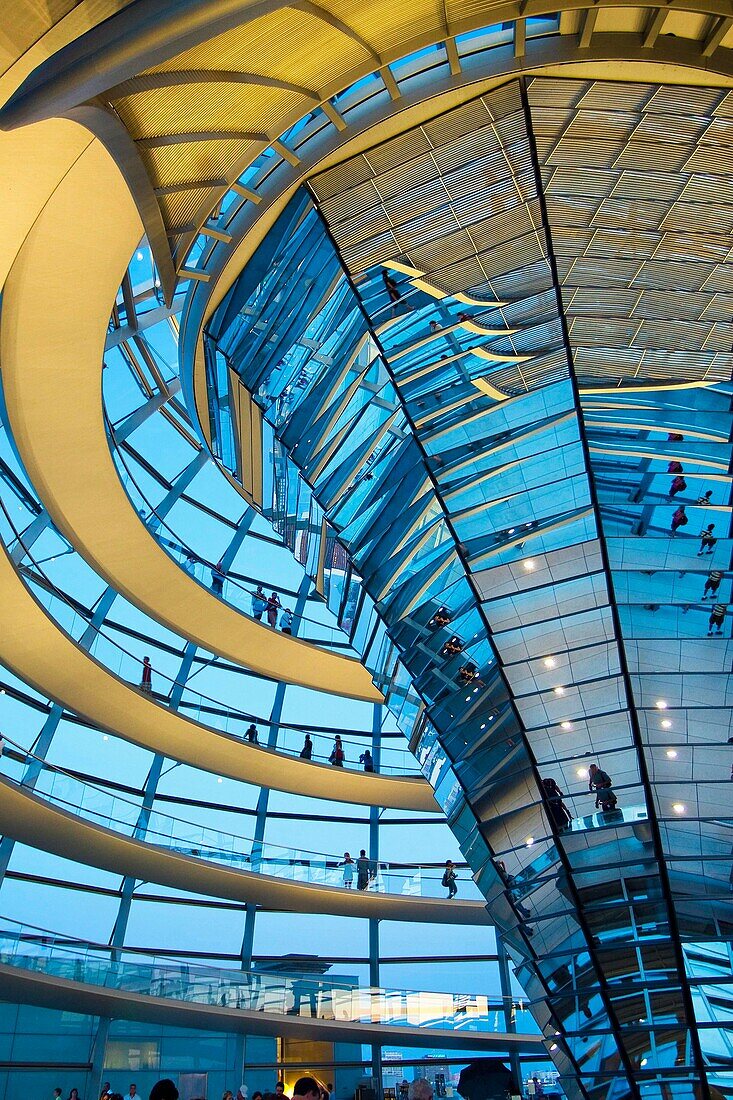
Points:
679	807
661	704
582	773
559	690
139	256
105	737
566	725
529	841
549	662
666	724
671	754
529	565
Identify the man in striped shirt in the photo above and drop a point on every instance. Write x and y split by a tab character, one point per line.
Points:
712	584
717	617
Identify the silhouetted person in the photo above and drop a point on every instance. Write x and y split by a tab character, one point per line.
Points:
600	782
306	753
286	621
251	734
557	811
336	759
348	866
367	761
705	498
362	871
217	578
390	285
164	1090
449	879
146	679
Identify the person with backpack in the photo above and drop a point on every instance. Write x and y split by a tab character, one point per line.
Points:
601	782
449	879
337	757
678	486
679	519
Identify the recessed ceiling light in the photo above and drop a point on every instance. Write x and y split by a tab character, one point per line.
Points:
666	724
661	704
582	773
529	841
679	807
559	690
671	754
566	725
550	662
529	565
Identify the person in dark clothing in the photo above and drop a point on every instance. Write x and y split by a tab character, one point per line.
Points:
390	285
717	618
367	761
362	871
600	782
449	879
704	498
251	734
679	519
675	468
707	540
217	578
712	584
337	757
306	753
678	485
164	1090
273	606
557	811
146	679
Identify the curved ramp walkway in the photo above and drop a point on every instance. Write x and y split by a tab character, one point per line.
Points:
34	970
41	654
67	271
32	820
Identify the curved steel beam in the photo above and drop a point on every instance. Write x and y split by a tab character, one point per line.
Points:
33	821
47	991
41	654
68	271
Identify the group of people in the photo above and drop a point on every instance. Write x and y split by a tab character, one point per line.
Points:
707	537
366	871
269	606
108	1093
262	604
338	756
599	783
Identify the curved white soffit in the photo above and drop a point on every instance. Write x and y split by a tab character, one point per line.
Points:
30	820
41	654
56	306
